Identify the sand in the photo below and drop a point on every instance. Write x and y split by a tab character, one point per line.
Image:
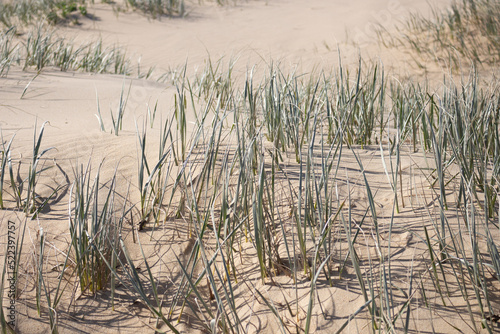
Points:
302	34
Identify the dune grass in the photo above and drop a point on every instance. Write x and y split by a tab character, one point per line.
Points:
159	8
466	31
23	188
167	8
263	171
229	194
27	12
43	48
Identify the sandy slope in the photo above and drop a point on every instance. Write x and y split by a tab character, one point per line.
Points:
293	31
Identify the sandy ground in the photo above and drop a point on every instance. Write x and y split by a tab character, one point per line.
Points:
293	31
299	33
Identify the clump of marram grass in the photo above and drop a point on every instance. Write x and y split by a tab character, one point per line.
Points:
9	53
468	29
24	188
94	229
43	48
26	12
159	8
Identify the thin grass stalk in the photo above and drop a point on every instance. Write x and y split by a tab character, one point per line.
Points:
317	271
3	165
117	123
30	204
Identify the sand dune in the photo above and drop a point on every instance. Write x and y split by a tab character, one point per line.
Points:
296	34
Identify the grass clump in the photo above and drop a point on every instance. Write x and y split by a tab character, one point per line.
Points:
24	189
9	54
27	12
43	48
94	233
159	8
93	228
468	30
